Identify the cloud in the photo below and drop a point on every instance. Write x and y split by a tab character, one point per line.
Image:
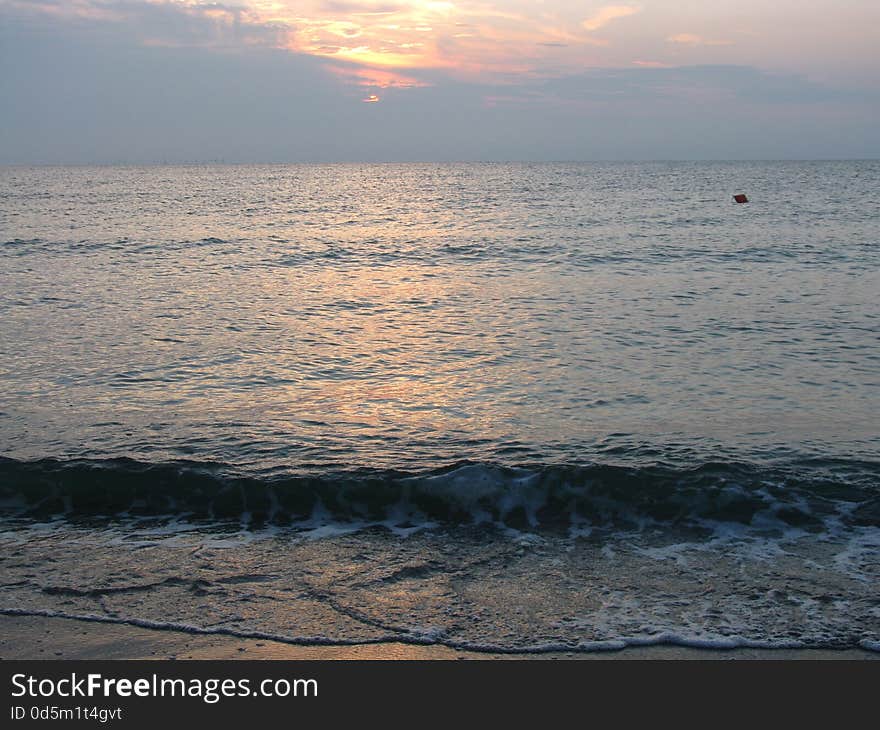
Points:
650	84
467	39
376	77
61	9
605	15
692	39
163	23
360	8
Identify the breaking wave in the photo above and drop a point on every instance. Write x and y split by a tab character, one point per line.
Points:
807	494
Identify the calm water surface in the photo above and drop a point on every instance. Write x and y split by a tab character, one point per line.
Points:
412	316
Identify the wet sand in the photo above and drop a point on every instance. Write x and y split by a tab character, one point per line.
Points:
27	637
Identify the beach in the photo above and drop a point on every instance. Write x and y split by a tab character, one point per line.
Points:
51	639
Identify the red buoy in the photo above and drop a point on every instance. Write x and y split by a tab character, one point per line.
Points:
740	198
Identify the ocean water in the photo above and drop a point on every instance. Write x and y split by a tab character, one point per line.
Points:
503	407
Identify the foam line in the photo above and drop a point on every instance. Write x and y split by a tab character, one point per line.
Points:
438	639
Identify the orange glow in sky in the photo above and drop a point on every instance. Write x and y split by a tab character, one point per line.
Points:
491	40
387	43
464	38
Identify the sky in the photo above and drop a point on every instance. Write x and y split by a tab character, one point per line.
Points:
142	81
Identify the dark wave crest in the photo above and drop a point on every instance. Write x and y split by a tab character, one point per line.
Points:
808	494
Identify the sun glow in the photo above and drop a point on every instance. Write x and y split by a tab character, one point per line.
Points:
468	38
425	42
378	78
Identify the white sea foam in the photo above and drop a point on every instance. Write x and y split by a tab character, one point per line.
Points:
438	636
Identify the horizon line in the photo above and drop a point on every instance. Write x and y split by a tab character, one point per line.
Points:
239	163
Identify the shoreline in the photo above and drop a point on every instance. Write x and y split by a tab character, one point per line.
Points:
51	638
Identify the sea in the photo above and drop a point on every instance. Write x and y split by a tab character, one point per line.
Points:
502	408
